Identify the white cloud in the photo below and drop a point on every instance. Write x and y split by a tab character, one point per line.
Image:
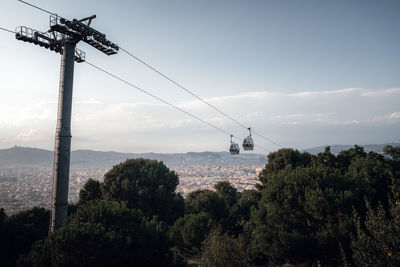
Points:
26	135
300	118
395	115
386	92
89	101
323	93
288	116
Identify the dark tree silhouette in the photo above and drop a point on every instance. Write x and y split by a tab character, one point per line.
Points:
285	159
227	191
147	185
90	191
102	233
206	201
303	216
221	250
20	231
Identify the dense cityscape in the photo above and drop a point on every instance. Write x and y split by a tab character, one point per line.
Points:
23	188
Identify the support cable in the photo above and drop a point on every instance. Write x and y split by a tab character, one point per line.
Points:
172	81
263	148
44	10
4	29
196	96
159	99
269	140
165	102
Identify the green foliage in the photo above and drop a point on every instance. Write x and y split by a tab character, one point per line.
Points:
19	231
147	185
374	175
206	201
302	215
326	159
346	157
221	250
393	159
248	200
377	242
3	217
3	236
189	232
393	152
227	191
102	233
90	191
283	160
309	210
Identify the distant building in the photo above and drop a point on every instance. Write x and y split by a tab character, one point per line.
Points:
8	176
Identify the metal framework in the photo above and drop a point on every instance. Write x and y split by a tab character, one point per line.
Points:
53	41
62	38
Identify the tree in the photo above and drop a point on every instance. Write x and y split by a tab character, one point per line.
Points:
147	185
3	217
326	158
377	241
303	217
20	231
189	232
227	191
393	158
103	233
90	191
285	159
206	201
221	250
249	199
374	175
393	152
3	237
345	157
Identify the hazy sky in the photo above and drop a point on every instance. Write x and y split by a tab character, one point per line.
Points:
302	73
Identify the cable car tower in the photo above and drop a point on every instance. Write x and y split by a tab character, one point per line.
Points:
62	38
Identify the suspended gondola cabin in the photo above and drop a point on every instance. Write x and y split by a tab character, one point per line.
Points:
248	143
234	148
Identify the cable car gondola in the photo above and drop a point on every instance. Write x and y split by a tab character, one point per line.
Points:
234	148
248	143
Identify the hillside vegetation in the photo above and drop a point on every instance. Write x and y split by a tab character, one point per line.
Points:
308	210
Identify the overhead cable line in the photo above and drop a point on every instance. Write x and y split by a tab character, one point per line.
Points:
172	81
181	86
44	10
263	148
269	140
196	96
159	99
4	29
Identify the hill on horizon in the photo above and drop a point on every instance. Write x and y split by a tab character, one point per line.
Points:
17	156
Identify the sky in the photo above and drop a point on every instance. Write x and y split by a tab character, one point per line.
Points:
301	73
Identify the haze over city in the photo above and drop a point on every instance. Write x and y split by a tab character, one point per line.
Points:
302	73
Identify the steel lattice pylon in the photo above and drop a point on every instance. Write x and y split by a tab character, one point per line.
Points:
62	38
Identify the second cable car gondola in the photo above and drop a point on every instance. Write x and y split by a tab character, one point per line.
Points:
234	148
248	143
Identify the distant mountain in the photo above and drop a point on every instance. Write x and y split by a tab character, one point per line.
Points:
25	156
335	149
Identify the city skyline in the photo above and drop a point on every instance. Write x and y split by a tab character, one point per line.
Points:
303	75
